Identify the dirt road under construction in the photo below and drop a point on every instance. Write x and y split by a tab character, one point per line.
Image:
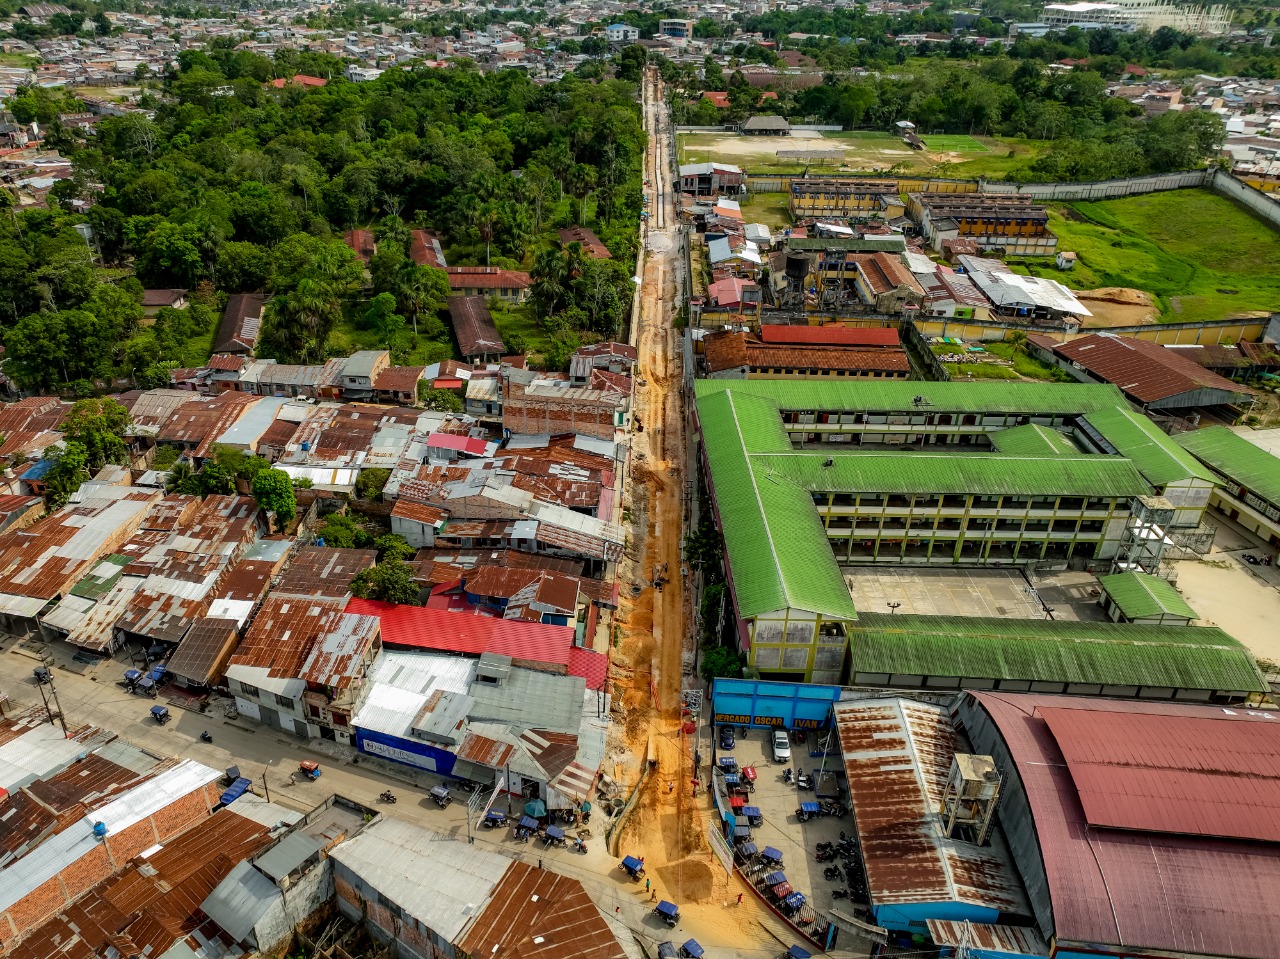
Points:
668	825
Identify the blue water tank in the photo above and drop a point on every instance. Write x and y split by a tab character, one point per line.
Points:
99	830
306	446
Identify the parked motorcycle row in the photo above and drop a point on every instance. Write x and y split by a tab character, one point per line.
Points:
848	871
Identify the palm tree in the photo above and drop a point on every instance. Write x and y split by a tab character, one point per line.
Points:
1018	340
420	290
487	223
579	182
181	474
299	322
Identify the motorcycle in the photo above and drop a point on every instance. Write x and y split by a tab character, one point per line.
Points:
205	738
832	872
824	847
788	777
388	797
839	893
580	846
827	856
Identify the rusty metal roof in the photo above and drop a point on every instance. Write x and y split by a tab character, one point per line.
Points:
154	902
1149	372
324	571
203	654
308	638
484	751
539	914
474	327
897	756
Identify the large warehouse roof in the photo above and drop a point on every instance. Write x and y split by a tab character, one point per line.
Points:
779	554
1147	371
897	756
1155	454
897	396
778	551
1237	459
1141	595
1088	765
1111	654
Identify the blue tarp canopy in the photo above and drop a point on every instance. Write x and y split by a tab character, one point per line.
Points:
748	849
811	807
555	832
235	791
132	675
527	823
752	811
692	949
795	952
632	863
795	900
494	816
669	909
728	762
775	877
771	853
536	808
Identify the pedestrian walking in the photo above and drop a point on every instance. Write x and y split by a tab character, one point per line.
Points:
671	786
617	910
539	863
646	885
739	899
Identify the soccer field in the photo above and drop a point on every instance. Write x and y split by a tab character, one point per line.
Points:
953	143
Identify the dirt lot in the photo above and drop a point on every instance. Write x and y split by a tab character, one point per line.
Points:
1118	306
1227	592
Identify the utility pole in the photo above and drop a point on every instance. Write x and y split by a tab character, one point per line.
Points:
50	711
265	788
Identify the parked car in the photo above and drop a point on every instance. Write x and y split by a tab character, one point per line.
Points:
726	737
781	746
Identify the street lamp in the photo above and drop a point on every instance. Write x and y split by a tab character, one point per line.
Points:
894	607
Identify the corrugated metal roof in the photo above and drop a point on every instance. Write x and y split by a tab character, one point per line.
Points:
1033	440
1054	651
240	900
531	699
538	914
418	627
1147	371
1142	890
77	840
779	554
1140	595
392	857
473	326
1165	774
1237	459
897	756
1155	454
984	939
891	396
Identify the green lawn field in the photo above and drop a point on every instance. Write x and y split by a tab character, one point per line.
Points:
1202	256
767	208
951	143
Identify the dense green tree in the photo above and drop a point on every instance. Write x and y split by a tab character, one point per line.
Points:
70	469
431	398
391	581
98	426
273	491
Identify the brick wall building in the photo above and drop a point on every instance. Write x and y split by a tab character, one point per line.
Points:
532	405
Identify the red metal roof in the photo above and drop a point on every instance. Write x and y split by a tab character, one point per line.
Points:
457	632
1150	890
590	665
1167	773
830	335
462	444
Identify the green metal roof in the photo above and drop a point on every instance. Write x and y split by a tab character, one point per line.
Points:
1237	459
933	471
997	396
1156	454
1181	657
1033	440
866	244
102	578
1141	595
778	551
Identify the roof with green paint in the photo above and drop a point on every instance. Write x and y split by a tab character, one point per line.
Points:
1141	596
1033	440
778	551
1181	657
1161	460
1237	459
102	578
996	396
940	470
